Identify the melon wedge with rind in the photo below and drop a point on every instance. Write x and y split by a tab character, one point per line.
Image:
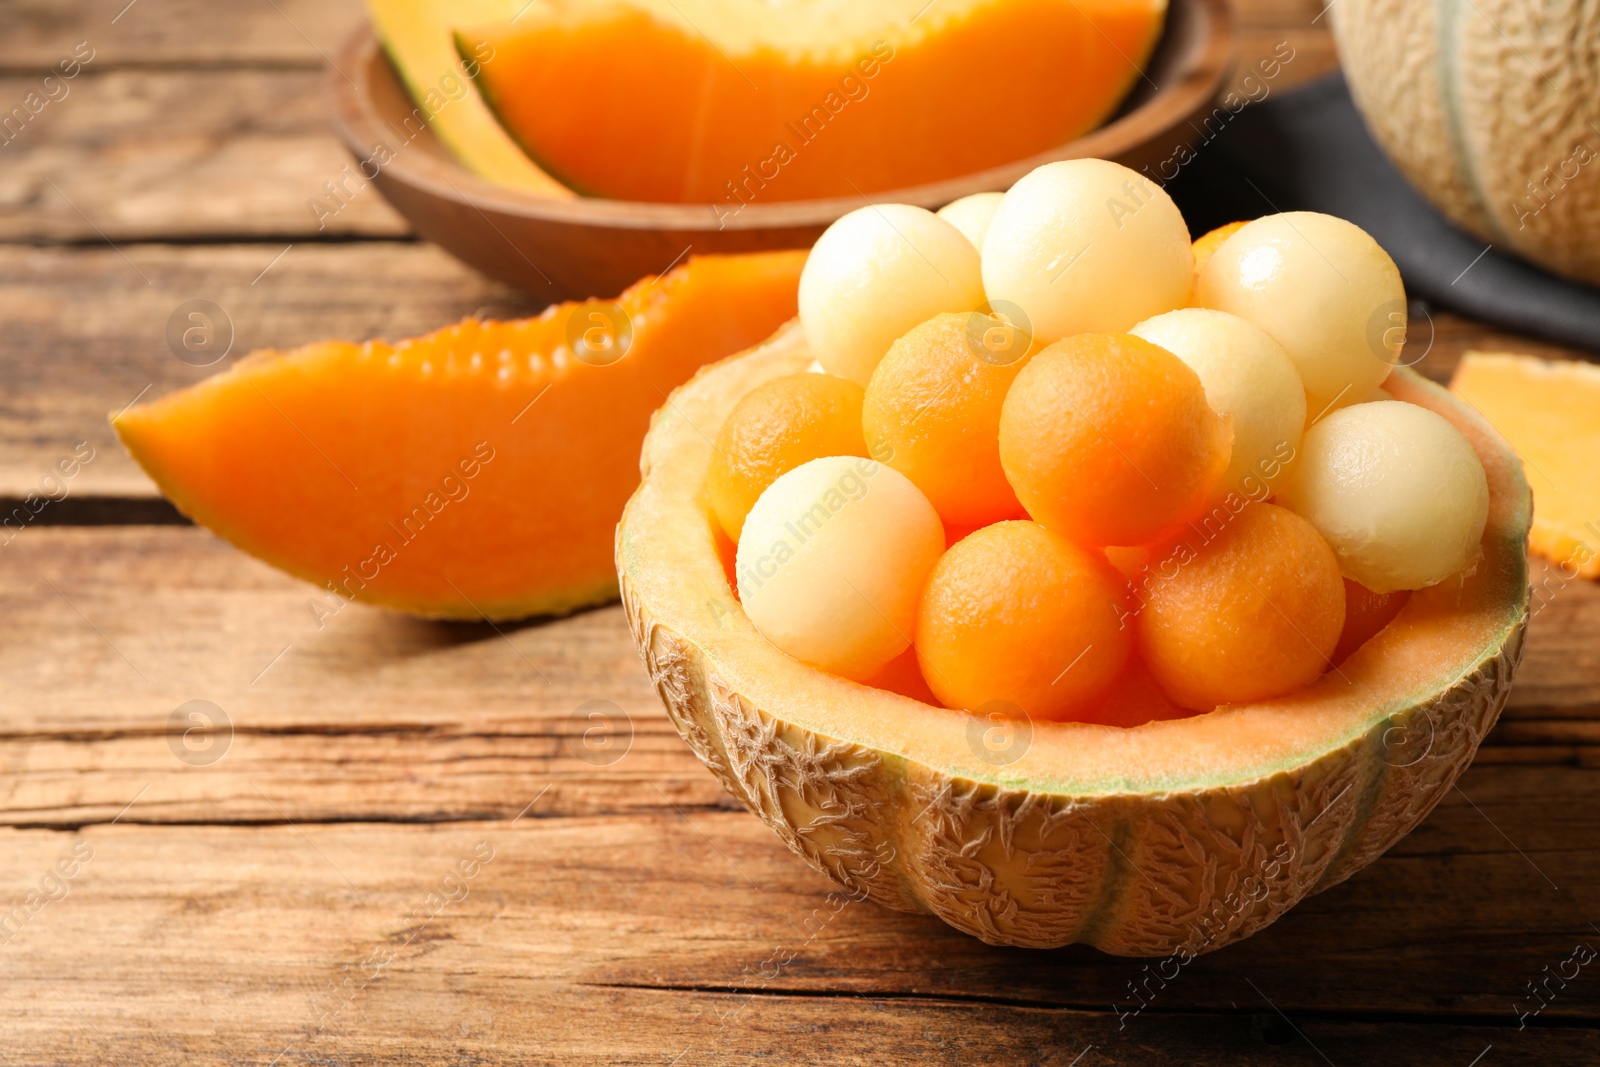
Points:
1177	836
417	36
725	102
477	472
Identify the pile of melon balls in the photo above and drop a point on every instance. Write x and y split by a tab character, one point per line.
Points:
1047	441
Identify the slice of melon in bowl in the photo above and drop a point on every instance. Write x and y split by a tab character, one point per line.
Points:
721	101
477	472
1176	836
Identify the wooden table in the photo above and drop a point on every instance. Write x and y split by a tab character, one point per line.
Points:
405	851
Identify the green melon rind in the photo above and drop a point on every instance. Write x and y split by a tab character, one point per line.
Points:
1147	873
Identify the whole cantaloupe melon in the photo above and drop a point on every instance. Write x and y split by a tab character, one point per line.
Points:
1492	109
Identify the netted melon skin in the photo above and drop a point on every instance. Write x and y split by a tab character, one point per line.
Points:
1137	875
1488	108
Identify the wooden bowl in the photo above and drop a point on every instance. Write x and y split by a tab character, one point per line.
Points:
570	249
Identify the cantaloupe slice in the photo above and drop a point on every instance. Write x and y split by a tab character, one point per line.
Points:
1173	836
416	34
1550	412
725	102
475	472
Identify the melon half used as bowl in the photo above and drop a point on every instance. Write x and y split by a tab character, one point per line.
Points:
1177	836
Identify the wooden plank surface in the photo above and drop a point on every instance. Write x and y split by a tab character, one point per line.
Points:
293	890
129	155
192	34
589	940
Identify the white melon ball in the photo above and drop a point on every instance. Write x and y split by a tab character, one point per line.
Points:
971	215
1322	287
1395	489
1087	246
832	560
1249	378
873	275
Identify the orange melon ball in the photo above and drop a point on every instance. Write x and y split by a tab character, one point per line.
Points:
1133	700
1108	440
1016	613
1252	613
1365	613
773	429
932	412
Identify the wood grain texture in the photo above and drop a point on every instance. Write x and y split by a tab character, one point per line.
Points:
190	33
138	154
590	938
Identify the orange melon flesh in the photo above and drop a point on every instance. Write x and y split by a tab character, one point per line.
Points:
475	472
1550	413
720	102
1442	634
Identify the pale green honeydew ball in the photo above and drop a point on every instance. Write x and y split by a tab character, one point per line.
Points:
1248	378
1087	246
873	275
1395	489
832	560
1324	289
